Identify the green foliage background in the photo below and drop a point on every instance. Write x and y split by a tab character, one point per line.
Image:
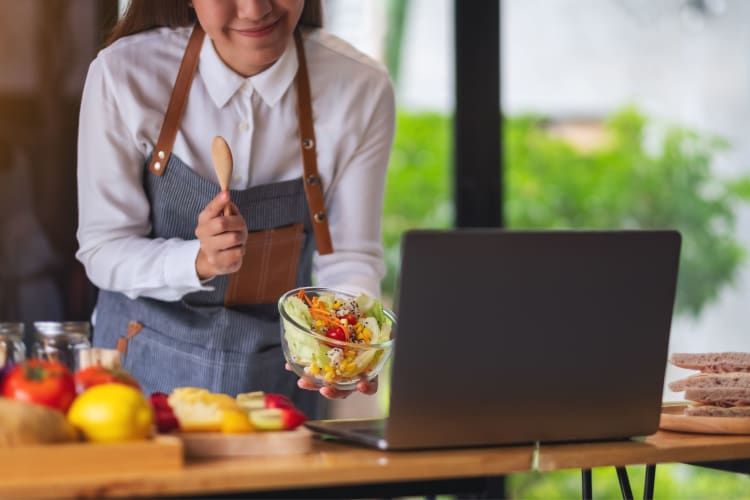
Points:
645	175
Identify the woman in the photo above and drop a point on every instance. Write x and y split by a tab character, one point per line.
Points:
187	294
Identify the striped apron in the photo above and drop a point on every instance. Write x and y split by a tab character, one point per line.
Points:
199	341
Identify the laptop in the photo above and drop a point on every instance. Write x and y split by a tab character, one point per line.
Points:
509	337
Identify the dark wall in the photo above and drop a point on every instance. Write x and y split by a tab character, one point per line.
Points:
45	49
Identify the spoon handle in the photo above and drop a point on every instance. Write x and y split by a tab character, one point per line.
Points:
222	158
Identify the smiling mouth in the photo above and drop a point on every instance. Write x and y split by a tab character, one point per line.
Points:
258	32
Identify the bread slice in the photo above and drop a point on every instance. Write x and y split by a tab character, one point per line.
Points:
720	396
717	411
713	362
200	410
712	380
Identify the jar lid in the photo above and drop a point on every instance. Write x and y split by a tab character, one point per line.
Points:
59	328
14	330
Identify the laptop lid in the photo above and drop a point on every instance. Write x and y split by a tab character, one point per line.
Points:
511	337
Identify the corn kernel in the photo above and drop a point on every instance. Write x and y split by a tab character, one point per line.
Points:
336	304
314	369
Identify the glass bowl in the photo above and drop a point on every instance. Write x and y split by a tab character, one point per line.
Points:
327	361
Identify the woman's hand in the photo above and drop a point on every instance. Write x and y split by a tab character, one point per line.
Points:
222	238
332	393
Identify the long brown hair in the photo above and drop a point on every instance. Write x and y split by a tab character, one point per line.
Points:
143	15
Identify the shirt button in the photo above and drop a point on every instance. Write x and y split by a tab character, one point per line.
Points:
244	126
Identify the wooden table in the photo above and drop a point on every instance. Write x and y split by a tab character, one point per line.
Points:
328	465
662	447
339	465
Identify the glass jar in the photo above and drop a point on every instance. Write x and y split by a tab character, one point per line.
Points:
12	348
61	341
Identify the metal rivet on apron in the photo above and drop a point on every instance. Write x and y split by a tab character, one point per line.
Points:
312	180
320	216
160	154
308	143
157	166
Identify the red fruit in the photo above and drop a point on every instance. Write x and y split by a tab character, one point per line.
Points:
164	417
277	419
336	333
350	319
277	401
159	400
95	375
47	383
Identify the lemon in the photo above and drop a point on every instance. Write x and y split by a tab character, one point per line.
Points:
112	412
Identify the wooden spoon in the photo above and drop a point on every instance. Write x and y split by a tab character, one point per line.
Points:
222	158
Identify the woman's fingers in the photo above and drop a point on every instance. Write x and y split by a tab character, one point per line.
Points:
368	387
215	207
222	238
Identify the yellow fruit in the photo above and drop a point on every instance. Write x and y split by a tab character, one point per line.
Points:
235	422
112	412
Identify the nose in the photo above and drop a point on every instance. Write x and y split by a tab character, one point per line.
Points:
254	10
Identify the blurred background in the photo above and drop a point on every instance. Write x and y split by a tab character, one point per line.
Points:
615	113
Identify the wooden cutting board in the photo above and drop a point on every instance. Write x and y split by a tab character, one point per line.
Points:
673	419
254	444
159	453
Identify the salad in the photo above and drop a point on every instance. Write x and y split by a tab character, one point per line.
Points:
347	333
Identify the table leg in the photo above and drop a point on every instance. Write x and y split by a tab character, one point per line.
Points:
648	483
622	477
586	493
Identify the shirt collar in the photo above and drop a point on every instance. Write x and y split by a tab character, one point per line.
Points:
222	83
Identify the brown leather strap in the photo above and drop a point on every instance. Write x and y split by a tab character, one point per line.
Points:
312	181
180	91
313	184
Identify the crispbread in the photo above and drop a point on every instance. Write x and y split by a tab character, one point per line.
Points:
712	380
717	411
713	362
720	396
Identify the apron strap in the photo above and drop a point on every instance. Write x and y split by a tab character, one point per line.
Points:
312	181
177	101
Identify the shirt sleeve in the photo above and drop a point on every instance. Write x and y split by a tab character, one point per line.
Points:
113	210
355	205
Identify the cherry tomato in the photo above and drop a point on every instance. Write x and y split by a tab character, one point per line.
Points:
350	319
336	333
95	375
47	383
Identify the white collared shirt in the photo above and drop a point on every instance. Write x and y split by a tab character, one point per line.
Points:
124	100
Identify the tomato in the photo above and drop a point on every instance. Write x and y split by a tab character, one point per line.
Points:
350	319
47	383
336	333
95	375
